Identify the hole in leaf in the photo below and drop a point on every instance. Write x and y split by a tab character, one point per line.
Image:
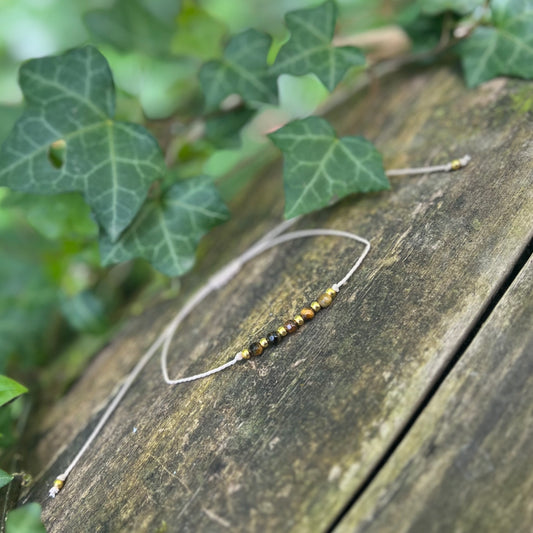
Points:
56	153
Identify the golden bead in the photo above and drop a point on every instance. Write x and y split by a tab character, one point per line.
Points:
282	331
307	313
331	292
58	484
299	320
245	353
315	306
263	342
324	300
456	164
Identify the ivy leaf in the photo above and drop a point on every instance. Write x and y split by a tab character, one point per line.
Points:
84	311
167	231
318	166
423	30
66	140
25	519
505	49
199	34
242	70
28	295
59	216
133	25
5	478
10	389
309	48
8	117
224	130
463	7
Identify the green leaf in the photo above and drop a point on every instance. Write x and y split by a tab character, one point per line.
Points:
85	312
8	117
167	231
10	389
25	519
132	25
424	31
199	34
224	130
71	103
318	166
505	49
59	216
161	85
5	478
27	295
242	70
463	7
309	49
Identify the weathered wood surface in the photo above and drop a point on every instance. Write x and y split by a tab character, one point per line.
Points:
283	443
466	463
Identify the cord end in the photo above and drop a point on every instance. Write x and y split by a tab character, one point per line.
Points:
56	488
456	164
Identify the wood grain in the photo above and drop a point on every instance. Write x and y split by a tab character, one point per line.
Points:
465	464
283	443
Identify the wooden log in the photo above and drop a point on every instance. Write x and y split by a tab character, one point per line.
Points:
284	442
465	465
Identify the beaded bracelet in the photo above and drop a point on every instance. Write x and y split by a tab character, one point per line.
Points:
221	278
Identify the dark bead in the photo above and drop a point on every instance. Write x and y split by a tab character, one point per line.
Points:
273	338
291	326
255	349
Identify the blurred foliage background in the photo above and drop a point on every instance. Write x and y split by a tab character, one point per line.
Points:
57	304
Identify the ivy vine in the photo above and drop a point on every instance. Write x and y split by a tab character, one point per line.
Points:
68	139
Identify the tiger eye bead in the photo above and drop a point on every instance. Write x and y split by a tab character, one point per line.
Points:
263	342
307	313
315	306
324	300
255	349
299	320
282	331
245	353
291	326
273	338
331	292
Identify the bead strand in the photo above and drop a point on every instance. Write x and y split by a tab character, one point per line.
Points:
291	326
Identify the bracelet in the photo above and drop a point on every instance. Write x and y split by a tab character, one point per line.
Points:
221	278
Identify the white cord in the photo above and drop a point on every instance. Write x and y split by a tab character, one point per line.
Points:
217	281
226	273
456	164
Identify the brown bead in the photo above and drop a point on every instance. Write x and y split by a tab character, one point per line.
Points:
332	293
315	306
291	326
307	313
255	349
299	320
324	300
245	353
